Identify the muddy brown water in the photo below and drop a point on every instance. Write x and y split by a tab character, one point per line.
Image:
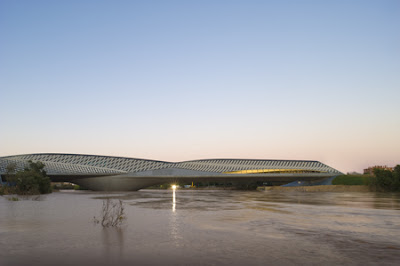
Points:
203	227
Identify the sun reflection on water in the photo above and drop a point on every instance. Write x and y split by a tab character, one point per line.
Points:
173	198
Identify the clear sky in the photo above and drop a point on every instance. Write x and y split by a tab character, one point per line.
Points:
183	80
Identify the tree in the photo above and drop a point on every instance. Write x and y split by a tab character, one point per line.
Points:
33	180
10	168
10	172
387	180
396	177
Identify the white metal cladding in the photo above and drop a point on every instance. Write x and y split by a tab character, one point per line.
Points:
88	164
227	165
60	168
94	164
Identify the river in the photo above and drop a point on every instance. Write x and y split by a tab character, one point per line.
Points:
203	227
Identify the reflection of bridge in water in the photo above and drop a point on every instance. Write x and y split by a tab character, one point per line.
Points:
107	173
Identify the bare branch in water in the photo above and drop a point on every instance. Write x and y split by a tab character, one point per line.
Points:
112	213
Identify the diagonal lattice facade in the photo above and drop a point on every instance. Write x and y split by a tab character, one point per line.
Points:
94	164
107	173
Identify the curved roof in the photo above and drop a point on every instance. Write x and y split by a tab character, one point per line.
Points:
95	164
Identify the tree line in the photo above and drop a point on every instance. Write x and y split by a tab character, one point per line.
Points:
386	180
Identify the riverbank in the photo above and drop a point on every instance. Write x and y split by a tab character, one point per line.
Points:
328	188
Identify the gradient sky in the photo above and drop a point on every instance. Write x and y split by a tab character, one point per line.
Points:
183	80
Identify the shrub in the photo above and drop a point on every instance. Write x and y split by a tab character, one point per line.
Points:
13	199
77	187
386	180
112	213
351	180
246	186
32	180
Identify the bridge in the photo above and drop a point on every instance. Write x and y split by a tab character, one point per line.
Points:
109	173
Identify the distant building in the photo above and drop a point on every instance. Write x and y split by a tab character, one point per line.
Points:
370	170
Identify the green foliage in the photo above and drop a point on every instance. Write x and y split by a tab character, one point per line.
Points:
77	187
246	186
352	180
386	180
10	173
63	186
396	177
10	168
13	199
165	186
6	190
32	180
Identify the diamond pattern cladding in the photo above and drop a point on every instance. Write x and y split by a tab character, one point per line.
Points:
93	164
